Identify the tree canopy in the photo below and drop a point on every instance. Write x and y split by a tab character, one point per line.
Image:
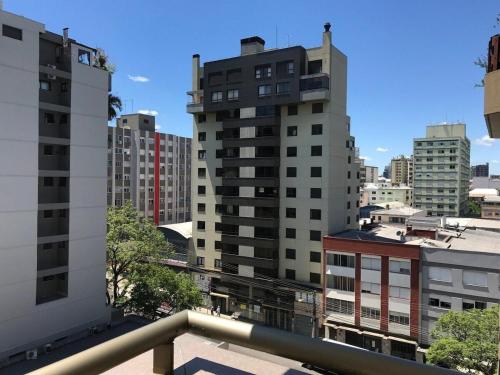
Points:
467	341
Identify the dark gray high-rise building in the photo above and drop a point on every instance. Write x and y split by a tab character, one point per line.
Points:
480	170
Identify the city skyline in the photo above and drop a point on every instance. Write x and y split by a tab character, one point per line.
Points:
424	91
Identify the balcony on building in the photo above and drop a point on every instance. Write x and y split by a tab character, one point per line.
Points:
314	87
51	287
53	125
53	191
53	223
195	105
492	88
53	157
52	255
54	90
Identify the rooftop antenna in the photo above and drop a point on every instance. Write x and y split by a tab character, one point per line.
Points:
288	39
276	36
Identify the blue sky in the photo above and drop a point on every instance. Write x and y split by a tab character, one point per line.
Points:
410	62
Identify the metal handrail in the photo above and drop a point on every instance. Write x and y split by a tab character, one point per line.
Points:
160	335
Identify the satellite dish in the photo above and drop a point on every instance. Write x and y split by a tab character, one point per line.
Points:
399	233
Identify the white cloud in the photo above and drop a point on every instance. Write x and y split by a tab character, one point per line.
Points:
367	158
157	127
382	149
140	79
148	112
494	161
484	141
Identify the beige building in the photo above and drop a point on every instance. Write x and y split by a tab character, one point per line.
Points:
490	207
402	170
381	193
442	170
395	216
273	171
492	88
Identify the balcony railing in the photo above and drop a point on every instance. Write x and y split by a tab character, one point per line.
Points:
315	87
160	336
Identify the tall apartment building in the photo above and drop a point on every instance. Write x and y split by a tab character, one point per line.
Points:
442	170
273	171
480	170
367	174
150	169
492	88
402	170
53	119
387	171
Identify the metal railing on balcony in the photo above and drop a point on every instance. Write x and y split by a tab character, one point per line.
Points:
160	336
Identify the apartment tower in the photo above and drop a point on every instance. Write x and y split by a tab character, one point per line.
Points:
150	169
53	116
442	170
402	171
273	171
480	170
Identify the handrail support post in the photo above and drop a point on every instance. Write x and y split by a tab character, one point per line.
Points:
163	359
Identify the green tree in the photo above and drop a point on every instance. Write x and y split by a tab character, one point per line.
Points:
159	285
474	208
114	106
467	341
131	242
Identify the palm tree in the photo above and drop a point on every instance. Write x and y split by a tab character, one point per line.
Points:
114	106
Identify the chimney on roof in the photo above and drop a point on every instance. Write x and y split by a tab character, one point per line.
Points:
65	36
327	35
252	45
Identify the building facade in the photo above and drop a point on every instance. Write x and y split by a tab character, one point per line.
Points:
442	170
273	171
150	169
480	170
53	116
402	170
371	295
492	88
490	208
381	193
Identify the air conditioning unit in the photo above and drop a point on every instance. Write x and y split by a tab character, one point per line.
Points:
51	76
47	348
51	66
32	354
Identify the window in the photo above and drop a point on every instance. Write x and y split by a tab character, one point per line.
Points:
262	72
233	94
282	88
49	118
317	108
202	155
202	173
45	86
371	288
315	171
436	302
316	193
315	214
218	227
343	283
12	32
369	312
200	243
291	131
291	192
370	263
264	90
48	214
314	278
216	96
200	261
219	135
201	190
201	208
316	129
399	318
290	253
202	118
340	306
399	292
202	136
340	260
291	172
440	274
399	266
315	256
290	68
217	263
316	150
291	151
466	305
290	233
291	212
290	274
84	57
315	235
64	87
292	110
475	278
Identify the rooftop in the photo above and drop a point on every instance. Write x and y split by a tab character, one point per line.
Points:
481	192
492	198
398	211
184	229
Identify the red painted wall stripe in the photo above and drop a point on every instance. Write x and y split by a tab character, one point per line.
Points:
357	290
414	298
384	294
157	179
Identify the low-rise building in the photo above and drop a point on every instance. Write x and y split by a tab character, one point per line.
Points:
385	288
381	193
490	208
479	195
395	215
492	182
